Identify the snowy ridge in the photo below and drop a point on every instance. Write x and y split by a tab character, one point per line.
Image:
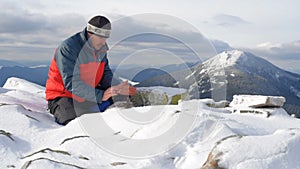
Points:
226	59
243	60
20	84
30	138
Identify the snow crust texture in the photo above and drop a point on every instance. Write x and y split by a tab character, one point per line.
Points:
218	138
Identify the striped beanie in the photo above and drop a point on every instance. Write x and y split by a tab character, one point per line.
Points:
99	25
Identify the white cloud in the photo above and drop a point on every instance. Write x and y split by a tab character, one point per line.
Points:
289	51
28	26
228	20
284	55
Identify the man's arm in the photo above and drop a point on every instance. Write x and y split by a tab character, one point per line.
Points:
106	80
66	60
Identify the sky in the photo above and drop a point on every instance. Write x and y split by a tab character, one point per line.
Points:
31	30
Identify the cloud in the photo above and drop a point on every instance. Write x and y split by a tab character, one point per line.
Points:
147	35
14	23
24	27
22	53
15	19
221	46
287	51
284	55
160	24
147	32
26	35
30	35
226	20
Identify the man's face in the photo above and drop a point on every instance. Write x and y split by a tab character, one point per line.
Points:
97	41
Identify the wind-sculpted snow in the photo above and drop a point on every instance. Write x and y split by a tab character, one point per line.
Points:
30	138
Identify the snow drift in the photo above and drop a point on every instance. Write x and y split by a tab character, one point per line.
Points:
29	137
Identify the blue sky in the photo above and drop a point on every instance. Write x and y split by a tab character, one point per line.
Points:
30	29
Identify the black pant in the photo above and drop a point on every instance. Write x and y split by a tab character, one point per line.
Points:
66	109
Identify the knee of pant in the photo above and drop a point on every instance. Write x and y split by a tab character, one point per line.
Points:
62	123
64	113
63	118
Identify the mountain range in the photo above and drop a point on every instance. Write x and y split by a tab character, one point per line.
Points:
221	77
35	74
246	73
235	72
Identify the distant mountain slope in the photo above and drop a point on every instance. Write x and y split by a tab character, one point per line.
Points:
147	74
37	74
238	72
144	75
248	74
147	78
8	63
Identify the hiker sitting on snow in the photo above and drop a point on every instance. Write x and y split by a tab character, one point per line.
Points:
79	78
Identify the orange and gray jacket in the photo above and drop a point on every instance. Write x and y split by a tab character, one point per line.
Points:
78	70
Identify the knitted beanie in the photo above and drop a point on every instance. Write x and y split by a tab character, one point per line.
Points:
99	25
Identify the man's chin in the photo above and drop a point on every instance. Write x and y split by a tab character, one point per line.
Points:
98	47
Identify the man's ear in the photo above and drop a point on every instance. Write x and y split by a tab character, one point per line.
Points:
89	35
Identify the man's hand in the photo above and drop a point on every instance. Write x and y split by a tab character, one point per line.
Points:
125	89
108	93
122	89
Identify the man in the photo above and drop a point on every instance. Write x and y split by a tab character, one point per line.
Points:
79	78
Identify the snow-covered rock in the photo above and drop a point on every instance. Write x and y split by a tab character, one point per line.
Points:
212	103
24	85
234	151
158	95
257	101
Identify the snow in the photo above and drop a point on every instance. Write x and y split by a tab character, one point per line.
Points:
226	59
295	91
257	101
256	156
38	66
20	84
202	71
235	140
191	75
129	81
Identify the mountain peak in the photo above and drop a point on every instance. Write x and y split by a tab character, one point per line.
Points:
241	60
228	58
232	55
